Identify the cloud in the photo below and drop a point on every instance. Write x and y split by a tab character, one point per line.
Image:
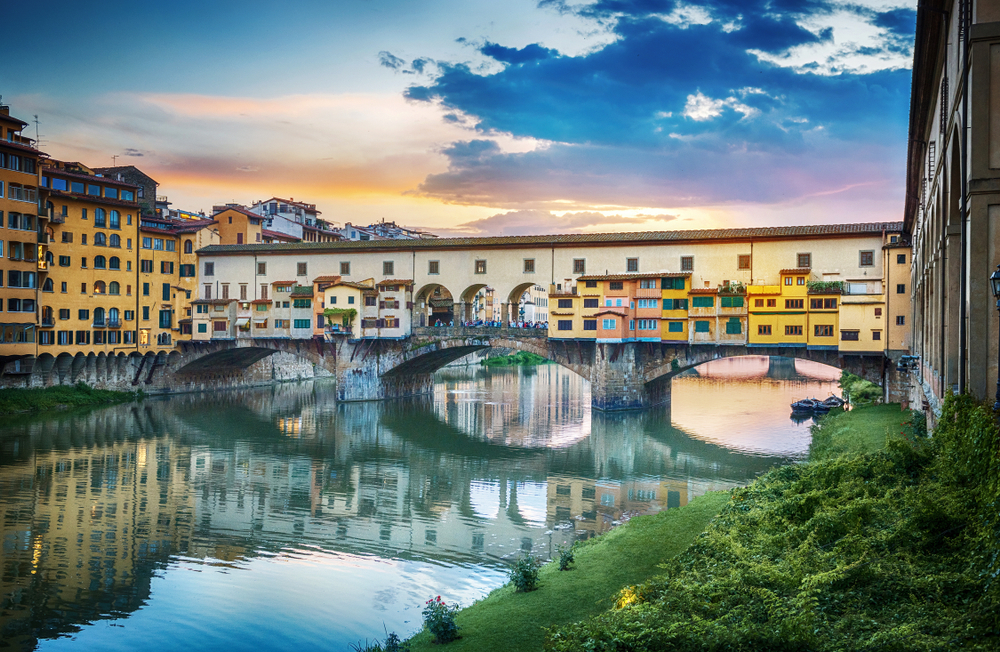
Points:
129	151
248	168
527	222
389	60
786	97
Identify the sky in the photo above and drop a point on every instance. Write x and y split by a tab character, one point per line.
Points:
470	117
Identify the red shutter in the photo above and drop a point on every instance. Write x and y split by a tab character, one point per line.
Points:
409	305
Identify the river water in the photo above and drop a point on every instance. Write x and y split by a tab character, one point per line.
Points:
275	518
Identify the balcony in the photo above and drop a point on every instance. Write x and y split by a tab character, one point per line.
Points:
99	324
18	193
48	322
114	323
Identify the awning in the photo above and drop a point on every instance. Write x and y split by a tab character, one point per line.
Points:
259	322
242	321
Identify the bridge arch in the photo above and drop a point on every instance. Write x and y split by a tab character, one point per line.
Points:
432	302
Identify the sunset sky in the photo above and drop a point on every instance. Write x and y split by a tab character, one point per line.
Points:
486	118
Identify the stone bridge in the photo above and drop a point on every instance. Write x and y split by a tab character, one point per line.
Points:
623	376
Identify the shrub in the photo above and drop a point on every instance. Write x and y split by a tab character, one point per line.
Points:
392	644
439	618
859	391
565	557
524	573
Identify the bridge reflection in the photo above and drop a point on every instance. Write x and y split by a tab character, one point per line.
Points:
93	504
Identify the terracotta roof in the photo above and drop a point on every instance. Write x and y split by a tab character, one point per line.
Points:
352	284
575	239
703	291
277	235
240	210
326	279
21	147
796	270
7	117
395	281
215	302
87	177
619	277
282	282
612	310
261	301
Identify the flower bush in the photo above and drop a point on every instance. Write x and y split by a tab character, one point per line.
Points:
565	557
524	573
439	619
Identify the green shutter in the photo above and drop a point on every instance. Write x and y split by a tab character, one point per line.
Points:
668	304
701	326
733	326
703	302
675	327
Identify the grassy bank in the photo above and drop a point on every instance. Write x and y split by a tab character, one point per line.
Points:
604	565
26	401
894	549
516	359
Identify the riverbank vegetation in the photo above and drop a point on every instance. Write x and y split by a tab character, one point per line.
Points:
521	358
894	549
26	401
507	620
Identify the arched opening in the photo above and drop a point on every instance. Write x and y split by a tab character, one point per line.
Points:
115	240
48	285
474	304
188	246
100	287
434	305
100	240
99	317
528	305
114	288
100	262
114	263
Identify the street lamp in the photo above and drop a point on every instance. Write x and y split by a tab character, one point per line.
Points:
995	286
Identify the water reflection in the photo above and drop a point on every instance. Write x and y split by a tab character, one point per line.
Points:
104	512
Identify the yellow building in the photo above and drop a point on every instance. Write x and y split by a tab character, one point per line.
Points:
777	313
237	225
22	251
90	291
674	305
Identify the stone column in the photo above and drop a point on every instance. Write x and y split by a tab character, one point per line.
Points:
620	385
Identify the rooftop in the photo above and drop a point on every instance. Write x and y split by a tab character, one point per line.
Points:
796	270
568	240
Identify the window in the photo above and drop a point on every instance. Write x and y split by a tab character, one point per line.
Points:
166	267
772	303
165	319
675	304
114	288
83	315
166	292
590	324
647	303
631	324
617	285
100	240
734	326
803	261
731	302
590	284
261	269
648	284
529	265
788	280
219	326
566	303
823	331
147	243
83	288
302	323
876	335
225	290
675	327
849	336
703	302
146	266
100	262
187	271
302	269
801	280
170	245
758	303
609	324
158	244
188	247
631	264
480	267
901	288
302	303
67	236
764	329
115	240
100	217
794	304
647	324
83	263
673	283
867	259
202	328
900	320
145	289
210	269
743	261
588	303
878	313
579	265
565	324
687	263
64	261
145	313
345	269
350	300
901	259
115	221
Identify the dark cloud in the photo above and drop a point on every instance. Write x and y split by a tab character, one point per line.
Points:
531	52
133	152
670	100
389	60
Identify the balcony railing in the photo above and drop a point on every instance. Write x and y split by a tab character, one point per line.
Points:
48	322
99	323
23	194
114	323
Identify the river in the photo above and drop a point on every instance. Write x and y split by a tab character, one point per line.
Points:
275	518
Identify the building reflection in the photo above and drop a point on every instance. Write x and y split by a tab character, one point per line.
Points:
94	504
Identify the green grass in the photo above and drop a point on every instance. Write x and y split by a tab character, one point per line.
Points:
516	359
26	401
857	432
628	554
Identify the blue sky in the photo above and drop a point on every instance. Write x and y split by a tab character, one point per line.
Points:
485	117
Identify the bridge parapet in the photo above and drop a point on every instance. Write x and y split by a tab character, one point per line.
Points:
481	332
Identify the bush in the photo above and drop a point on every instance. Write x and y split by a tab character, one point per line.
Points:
439	619
859	391
565	557
524	573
